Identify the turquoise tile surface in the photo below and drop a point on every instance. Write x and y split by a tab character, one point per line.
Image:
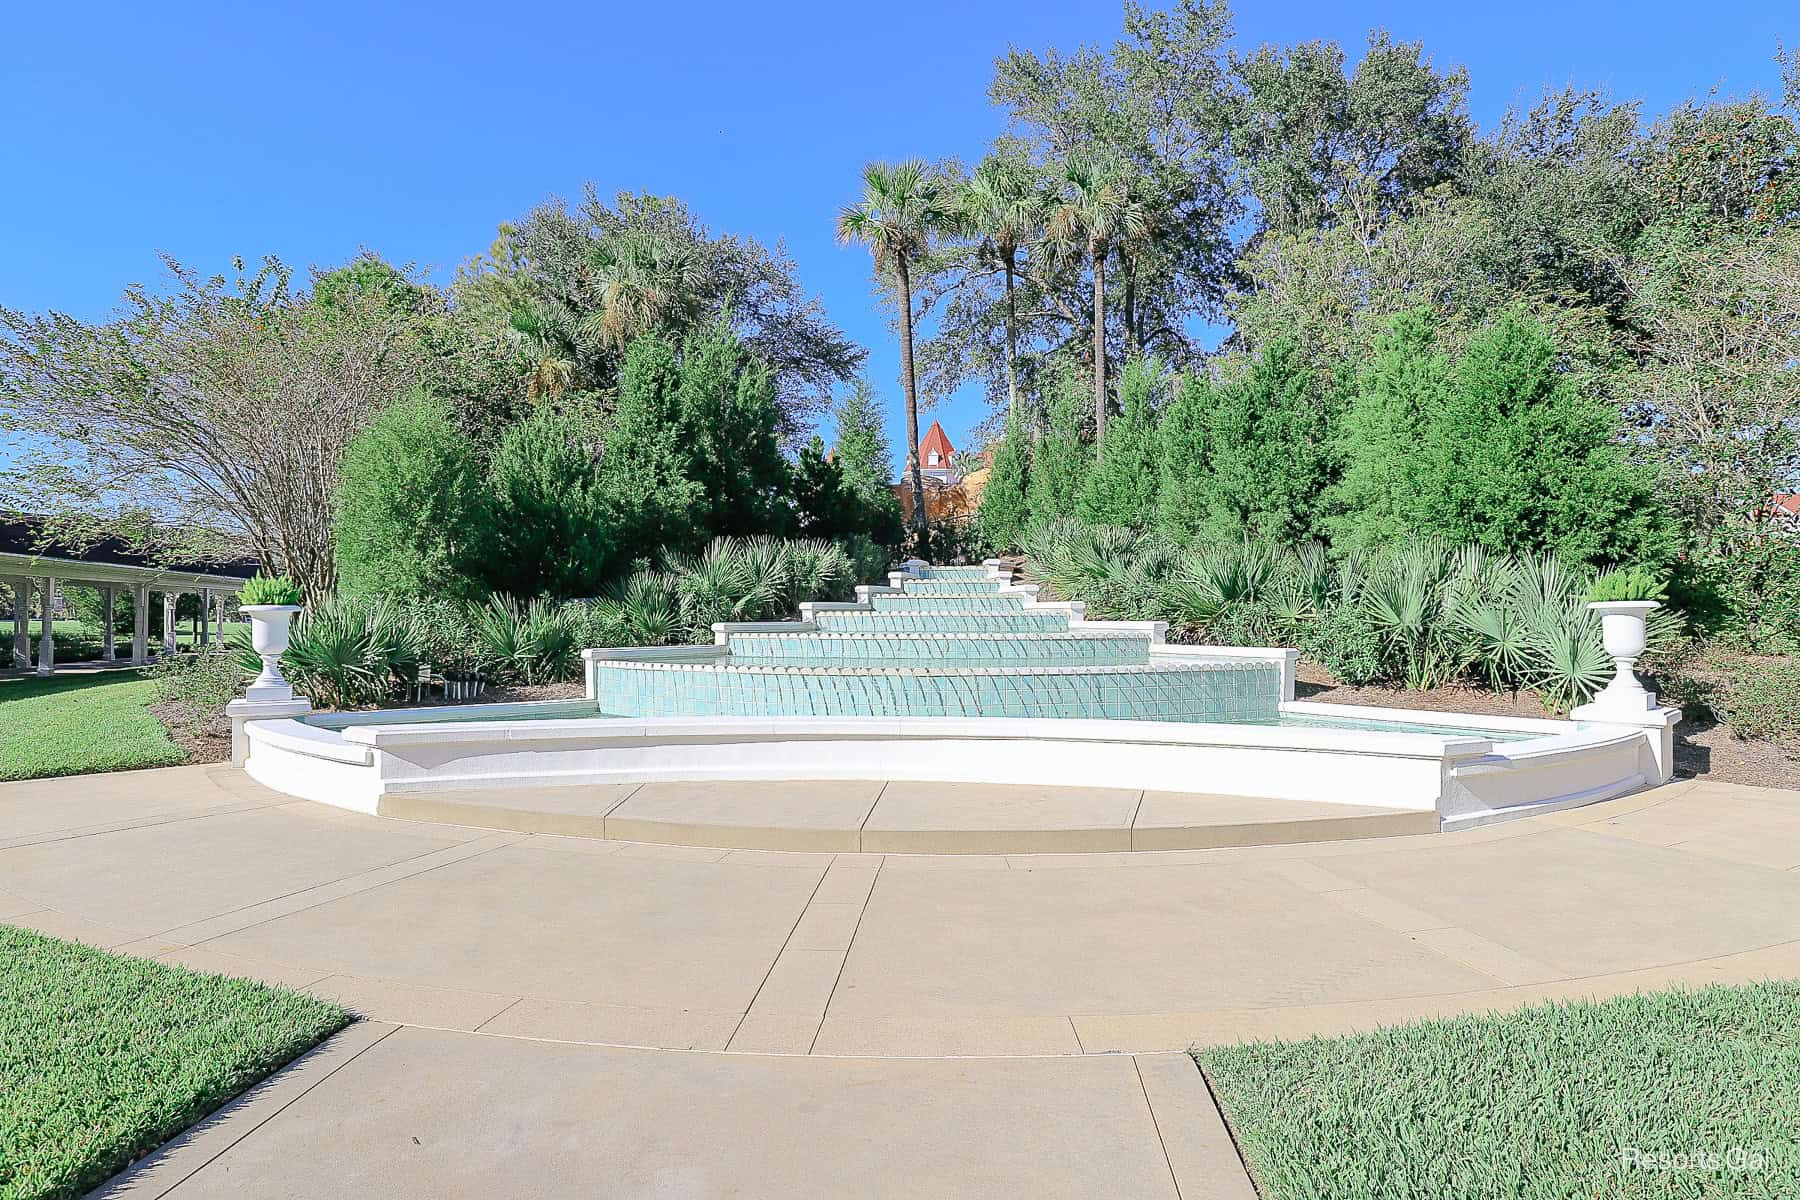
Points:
947	644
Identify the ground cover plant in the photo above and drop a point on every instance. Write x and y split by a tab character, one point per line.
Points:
353	651
104	1057
73	724
1567	1099
1421	614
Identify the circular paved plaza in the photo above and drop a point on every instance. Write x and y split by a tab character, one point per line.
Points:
555	975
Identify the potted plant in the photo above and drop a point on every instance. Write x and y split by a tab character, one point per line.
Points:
270	602
1623	599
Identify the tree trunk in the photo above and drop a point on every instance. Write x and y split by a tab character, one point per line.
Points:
1131	330
1097	252
1012	341
919	523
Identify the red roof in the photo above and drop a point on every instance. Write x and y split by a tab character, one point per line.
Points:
935	441
1789	504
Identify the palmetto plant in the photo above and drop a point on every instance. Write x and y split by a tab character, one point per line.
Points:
1210	582
651	607
1569	664
903	205
498	627
551	646
1406	597
1421	613
348	651
1094	564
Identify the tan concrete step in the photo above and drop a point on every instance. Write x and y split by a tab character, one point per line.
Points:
906	817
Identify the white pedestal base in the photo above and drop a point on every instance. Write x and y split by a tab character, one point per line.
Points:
1658	722
242	712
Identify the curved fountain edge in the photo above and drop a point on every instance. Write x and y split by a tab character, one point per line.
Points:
1465	780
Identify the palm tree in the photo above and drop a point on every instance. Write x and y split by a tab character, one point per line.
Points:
1097	208
647	282
533	329
902	206
1002	205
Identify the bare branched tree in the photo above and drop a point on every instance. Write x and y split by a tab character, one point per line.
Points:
215	404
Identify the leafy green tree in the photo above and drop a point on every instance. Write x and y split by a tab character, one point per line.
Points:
567	290
901	209
369	277
410	505
1160	102
553	531
1062	460
221	407
1399	391
1326	146
1518	459
1005	508
1121	489
1716	396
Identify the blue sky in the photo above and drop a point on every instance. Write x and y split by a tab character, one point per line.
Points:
312	131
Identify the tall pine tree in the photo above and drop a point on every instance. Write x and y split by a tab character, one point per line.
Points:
1004	513
1122	487
1061	464
728	417
865	465
1520	459
1183	488
1399	391
657	503
1251	456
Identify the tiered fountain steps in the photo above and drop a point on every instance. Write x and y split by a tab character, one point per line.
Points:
880	668
963	602
940	621
899	648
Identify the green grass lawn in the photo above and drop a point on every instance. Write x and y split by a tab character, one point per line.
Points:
73	724
103	1058
1566	1100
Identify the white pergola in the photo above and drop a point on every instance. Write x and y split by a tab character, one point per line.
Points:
43	572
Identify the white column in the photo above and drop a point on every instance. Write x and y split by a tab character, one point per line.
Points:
46	638
140	625
205	614
169	599
108	650
21	641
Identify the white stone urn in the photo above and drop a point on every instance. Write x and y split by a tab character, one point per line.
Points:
269	628
1622	633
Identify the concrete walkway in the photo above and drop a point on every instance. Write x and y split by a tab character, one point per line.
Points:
518	967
